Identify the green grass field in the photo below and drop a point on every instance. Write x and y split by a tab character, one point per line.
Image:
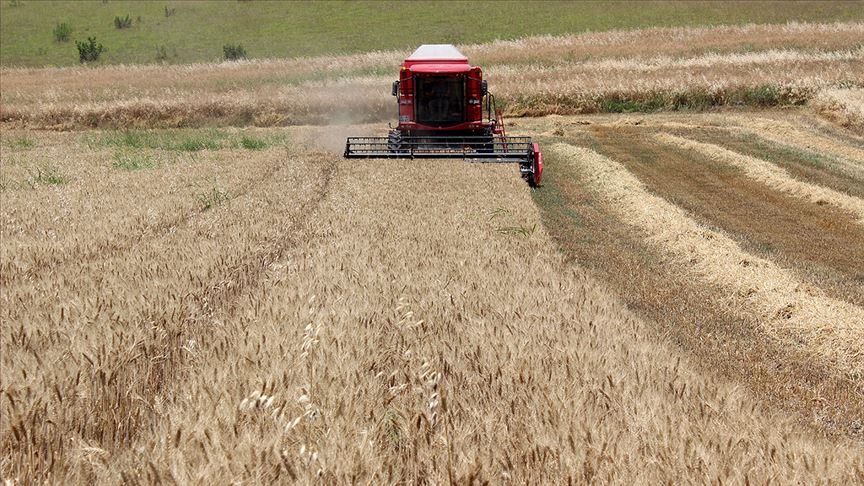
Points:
197	31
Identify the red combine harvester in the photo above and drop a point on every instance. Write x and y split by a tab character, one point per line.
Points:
442	100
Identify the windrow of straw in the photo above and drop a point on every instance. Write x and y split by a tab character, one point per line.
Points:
771	175
851	156
842	106
787	308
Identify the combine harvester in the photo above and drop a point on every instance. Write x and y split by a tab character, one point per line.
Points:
441	104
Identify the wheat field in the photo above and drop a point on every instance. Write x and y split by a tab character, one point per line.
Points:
194	300
754	65
319	325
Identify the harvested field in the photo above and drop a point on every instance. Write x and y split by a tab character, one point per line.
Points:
771	175
822	243
849	156
738	219
806	166
322	324
833	329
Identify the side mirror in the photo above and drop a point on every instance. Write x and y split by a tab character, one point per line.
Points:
395	88
484	88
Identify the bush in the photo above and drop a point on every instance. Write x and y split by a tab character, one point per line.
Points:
123	22
233	53
764	96
62	32
162	53
621	104
22	142
89	51
133	161
47	175
213	198
252	143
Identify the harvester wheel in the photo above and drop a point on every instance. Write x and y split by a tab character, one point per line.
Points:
536	166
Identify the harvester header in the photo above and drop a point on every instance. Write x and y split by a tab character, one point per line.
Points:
442	101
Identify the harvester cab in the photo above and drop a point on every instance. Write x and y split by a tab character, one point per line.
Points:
446	111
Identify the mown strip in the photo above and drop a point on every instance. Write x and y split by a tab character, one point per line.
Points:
850	156
770	175
807	165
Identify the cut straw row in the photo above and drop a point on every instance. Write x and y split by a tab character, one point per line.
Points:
788	308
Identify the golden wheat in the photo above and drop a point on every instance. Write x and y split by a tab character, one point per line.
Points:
572	74
351	321
842	106
283	315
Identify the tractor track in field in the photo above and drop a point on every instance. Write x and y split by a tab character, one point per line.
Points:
118	247
165	358
220	297
818	241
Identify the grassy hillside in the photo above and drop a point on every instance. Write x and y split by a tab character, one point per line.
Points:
197	31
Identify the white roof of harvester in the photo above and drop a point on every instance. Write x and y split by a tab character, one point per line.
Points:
437	52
